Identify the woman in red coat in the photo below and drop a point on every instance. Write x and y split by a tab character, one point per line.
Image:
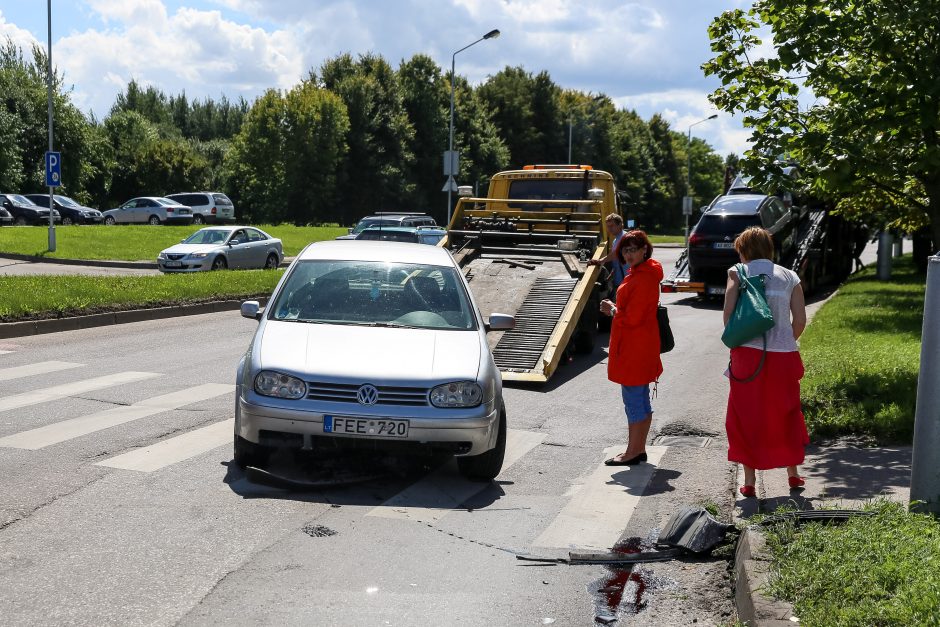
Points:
634	360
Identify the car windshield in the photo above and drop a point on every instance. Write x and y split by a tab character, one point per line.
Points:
737	204
389	236
725	224
375	293
207	236
367	222
20	200
65	201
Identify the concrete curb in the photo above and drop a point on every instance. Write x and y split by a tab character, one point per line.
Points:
74	323
751	574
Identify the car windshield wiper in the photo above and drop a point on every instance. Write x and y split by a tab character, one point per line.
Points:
393	325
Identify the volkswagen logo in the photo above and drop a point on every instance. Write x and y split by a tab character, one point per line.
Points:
367	394
727	238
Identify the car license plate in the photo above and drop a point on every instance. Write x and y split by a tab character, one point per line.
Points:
173	264
715	290
185	212
723	245
369	427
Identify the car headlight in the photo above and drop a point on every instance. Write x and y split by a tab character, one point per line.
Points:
458	394
198	255
279	385
161	256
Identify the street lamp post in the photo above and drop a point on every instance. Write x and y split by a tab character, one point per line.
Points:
493	34
49	94
688	176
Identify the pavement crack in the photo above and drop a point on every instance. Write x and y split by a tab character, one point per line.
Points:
9	523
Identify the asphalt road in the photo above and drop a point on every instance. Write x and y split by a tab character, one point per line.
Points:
121	504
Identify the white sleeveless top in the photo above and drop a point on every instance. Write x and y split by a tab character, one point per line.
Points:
778	286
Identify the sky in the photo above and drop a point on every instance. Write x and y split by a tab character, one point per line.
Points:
645	55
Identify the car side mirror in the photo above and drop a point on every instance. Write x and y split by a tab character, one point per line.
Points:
252	309
349	230
500	322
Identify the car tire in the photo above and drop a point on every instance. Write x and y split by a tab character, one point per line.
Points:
219	263
271	263
19	221
250	454
198	219
486	467
67	222
154	221
109	221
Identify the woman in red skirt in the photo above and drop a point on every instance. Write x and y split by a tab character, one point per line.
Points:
765	421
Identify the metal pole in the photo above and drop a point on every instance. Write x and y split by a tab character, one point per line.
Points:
884	256
570	132
688	179
925	462
49	94
451	143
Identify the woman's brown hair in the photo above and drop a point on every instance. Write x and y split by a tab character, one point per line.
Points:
754	243
635	238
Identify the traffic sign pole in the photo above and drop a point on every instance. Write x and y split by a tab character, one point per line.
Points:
49	97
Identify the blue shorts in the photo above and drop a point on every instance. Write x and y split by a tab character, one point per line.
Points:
636	402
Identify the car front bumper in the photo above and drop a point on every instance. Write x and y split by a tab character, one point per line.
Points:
464	435
187	265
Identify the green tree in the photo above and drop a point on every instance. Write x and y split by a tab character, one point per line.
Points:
375	173
870	133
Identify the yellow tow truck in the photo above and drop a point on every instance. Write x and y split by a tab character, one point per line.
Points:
524	251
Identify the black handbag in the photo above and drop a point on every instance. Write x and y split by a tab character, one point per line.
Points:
666	341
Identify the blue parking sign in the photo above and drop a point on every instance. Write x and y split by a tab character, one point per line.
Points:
53	169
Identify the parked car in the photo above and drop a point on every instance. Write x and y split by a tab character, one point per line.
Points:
420	235
5	218
372	346
149	210
71	211
711	243
389	219
208	207
24	211
219	247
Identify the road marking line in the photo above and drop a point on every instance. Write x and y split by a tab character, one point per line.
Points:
68	389
43	367
597	514
438	493
35	439
176	449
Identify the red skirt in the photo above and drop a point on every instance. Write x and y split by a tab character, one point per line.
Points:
765	422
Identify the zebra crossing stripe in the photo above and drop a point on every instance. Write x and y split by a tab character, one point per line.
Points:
596	515
35	439
43	367
5	352
68	389
174	450
433	497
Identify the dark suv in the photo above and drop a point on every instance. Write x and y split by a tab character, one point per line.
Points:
711	244
24	211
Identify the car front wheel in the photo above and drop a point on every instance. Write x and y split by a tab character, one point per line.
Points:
109	220
20	221
486	467
66	221
271	262
219	263
250	454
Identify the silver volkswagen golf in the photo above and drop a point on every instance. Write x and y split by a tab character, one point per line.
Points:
374	345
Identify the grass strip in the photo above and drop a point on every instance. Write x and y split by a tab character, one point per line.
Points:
136	243
862	357
44	296
879	570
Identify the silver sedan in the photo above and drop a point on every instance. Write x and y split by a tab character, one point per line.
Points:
220	247
375	345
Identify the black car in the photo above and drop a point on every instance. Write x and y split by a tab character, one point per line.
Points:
71	211
5	218
25	211
711	244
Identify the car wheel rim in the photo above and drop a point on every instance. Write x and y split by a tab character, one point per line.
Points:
66	221
154	220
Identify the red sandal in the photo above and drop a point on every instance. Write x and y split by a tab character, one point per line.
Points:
796	482
748	490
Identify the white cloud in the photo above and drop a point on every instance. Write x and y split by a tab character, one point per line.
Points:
131	12
20	37
196	51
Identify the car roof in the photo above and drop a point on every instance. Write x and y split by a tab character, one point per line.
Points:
376	250
737	204
394	229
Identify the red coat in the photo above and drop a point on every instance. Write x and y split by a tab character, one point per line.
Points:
634	333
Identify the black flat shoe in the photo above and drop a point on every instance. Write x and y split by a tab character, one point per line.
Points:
633	461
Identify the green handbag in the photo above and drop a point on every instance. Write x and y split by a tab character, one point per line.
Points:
751	317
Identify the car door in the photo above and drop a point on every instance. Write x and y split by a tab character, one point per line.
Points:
126	213
257	248
239	251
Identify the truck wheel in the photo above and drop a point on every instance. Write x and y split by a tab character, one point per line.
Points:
486	467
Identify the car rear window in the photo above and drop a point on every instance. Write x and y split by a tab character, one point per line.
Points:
743	204
221	199
545	189
725	224
389	236
190	200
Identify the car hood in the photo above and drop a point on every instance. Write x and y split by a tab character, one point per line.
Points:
369	354
187	249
